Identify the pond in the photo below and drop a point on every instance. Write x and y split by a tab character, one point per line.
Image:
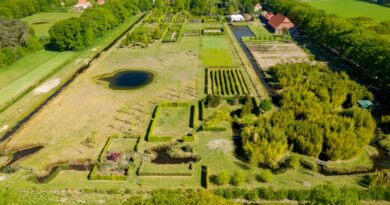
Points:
128	79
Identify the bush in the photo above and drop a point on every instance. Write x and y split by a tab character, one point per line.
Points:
293	161
264	176
265	105
309	165
221	178
237	179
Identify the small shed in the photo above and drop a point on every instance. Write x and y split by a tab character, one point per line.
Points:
365	104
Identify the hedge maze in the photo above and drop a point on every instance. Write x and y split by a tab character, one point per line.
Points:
225	82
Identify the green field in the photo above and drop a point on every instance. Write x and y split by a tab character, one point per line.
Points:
41	22
173	122
216	51
352	8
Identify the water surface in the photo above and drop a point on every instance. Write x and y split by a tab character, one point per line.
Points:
129	79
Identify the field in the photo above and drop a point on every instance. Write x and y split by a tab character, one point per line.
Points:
270	54
352	8
216	51
41	22
129	111
24	102
173	122
227	82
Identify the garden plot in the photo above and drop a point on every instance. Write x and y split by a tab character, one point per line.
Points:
173	121
151	169
217	51
226	82
268	55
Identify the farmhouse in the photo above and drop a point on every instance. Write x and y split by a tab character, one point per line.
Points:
279	23
82	5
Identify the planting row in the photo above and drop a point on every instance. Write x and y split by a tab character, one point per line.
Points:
226	82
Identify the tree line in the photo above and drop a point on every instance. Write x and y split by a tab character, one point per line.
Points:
361	40
16	38
318	115
78	33
22	8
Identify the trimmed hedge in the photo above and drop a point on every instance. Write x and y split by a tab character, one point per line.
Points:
205	181
347	171
188	138
214	129
104	150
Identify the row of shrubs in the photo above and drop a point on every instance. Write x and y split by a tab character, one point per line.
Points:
374	193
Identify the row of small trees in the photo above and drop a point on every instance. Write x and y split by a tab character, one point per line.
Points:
361	40
78	33
317	115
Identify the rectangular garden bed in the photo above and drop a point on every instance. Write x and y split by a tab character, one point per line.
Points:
226	82
151	169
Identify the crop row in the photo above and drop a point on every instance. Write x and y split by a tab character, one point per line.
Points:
226	82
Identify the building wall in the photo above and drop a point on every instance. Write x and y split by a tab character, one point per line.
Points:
279	29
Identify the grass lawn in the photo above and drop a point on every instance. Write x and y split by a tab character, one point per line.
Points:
151	169
173	122
41	22
216	51
34	75
123	145
352	8
259	30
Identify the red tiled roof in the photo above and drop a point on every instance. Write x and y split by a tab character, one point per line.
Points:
278	19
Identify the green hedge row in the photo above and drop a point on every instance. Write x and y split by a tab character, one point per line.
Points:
214	129
381	193
175	104
205	179
104	150
346	171
164	174
188	138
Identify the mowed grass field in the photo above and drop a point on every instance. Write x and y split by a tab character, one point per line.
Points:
352	8
41	22
216	51
173	122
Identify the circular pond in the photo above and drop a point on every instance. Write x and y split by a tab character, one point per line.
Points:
128	79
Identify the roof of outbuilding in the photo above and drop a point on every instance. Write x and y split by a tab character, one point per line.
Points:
278	19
